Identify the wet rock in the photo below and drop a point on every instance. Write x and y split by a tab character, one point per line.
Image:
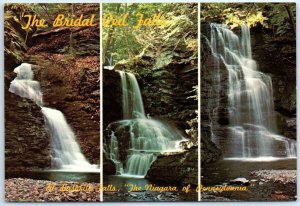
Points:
27	145
121	131
281	66
180	167
109	167
239	181
112	97
214	112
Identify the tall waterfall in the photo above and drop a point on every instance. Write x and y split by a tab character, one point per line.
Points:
147	137
65	149
250	97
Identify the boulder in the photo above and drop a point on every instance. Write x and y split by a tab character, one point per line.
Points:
240	181
180	167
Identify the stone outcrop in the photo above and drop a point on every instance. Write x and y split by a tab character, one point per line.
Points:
181	168
214	113
166	90
112	97
80	41
112	112
277	57
27	146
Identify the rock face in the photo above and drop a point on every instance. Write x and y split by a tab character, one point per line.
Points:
112	97
27	146
166	90
83	41
69	81
181	168
214	113
69	74
74	89
277	57
112	112
122	132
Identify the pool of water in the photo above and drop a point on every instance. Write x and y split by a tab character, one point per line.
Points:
125	183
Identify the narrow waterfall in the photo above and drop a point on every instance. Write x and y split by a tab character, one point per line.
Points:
65	150
132	102
147	137
250	98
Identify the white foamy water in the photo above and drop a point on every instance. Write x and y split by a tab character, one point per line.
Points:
24	85
66	152
148	137
250	96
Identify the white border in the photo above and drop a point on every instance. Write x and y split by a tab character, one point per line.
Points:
135	1
101	107
199	102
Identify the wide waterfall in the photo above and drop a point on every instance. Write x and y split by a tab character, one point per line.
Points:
65	150
147	137
253	131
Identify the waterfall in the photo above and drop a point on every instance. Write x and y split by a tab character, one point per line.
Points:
250	98
65	150
132	102
147	137
24	85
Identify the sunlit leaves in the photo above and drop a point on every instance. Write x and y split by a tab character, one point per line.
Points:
128	43
268	15
239	18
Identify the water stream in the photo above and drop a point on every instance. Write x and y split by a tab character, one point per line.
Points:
147	137
250	97
66	152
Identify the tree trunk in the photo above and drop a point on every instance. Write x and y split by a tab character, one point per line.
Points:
109	39
291	16
71	40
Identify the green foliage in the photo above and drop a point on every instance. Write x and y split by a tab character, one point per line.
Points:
15	36
269	15
126	43
234	15
279	18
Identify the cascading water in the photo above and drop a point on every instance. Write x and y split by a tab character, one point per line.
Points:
148	137
250	98
65	149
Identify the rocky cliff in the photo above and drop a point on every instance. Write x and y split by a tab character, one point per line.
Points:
214	113
275	57
112	97
27	146
69	82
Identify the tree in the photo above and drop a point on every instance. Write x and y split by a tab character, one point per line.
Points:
280	17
